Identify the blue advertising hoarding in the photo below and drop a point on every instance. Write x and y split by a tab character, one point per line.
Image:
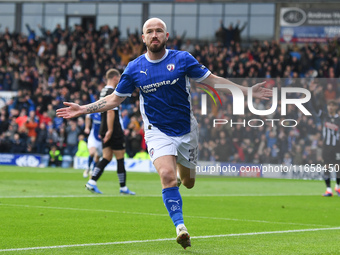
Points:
20	160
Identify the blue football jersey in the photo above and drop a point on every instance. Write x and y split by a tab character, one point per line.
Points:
164	89
96	120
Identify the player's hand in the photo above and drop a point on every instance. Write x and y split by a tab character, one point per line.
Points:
107	137
259	91
73	110
87	130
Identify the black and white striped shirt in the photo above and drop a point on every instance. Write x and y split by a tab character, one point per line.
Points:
330	125
330	129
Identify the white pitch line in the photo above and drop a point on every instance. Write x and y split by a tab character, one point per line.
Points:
171	239
163	215
158	195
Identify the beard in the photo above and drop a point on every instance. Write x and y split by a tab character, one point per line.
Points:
155	48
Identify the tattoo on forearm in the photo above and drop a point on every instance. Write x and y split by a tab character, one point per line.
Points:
96	106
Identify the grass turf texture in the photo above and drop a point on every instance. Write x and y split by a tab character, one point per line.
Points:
46	207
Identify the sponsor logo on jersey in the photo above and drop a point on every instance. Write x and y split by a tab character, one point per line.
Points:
174	81
331	126
144	72
153	86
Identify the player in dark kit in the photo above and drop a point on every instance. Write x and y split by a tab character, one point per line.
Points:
113	139
331	143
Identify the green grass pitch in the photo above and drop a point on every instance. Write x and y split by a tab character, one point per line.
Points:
48	211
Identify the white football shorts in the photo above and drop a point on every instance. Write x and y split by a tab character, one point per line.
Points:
185	147
93	142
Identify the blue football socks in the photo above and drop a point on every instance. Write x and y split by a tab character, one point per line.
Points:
173	202
90	160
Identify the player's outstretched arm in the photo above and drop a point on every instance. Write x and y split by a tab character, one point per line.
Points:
259	91
74	110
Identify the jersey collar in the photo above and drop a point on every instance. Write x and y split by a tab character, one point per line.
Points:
158	60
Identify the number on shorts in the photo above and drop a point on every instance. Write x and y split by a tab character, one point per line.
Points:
193	155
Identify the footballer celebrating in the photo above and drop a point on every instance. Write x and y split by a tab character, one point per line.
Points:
171	132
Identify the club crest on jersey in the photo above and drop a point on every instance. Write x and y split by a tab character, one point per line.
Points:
170	67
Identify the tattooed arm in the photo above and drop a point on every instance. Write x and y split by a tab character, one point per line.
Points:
74	110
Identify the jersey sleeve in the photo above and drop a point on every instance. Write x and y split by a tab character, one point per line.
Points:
195	70
126	85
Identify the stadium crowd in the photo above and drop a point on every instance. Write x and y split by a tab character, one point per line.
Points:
70	65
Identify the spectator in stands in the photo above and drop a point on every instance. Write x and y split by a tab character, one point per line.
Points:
82	150
52	137
17	144
188	46
5	144
31	125
237	31
61	143
31	145
297	155
48	76
61	49
22	119
4	123
224	148
55	156
43	118
72	131
133	143
287	160
31	35
329	93
41	139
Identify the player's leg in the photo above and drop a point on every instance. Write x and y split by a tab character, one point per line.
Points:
166	168
91	185
187	152
97	155
163	152
118	147
91	145
121	173
187	158
328	156
327	178
187	176
337	185
96	158
92	151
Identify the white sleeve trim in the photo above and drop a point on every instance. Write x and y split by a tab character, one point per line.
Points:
203	77
122	94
